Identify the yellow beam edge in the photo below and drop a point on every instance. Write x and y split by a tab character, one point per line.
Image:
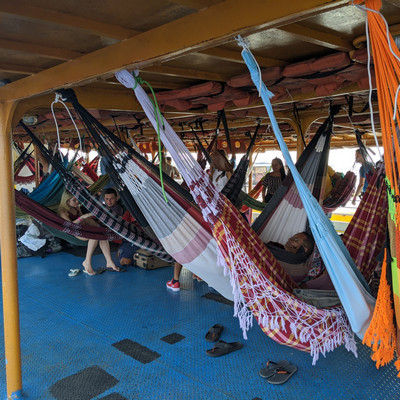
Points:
9	271
224	21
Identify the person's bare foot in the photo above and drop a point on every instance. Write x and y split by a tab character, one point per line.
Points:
113	266
88	268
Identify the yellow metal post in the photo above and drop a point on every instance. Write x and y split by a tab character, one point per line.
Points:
9	258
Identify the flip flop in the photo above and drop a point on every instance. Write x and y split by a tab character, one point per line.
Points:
115	270
73	272
214	333
221	348
271	368
97	271
282	374
87	273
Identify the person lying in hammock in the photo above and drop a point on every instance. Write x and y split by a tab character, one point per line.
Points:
70	210
294	256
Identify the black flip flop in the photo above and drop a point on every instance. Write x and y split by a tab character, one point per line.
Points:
221	348
282	374
214	333
271	368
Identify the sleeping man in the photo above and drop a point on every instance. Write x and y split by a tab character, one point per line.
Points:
294	256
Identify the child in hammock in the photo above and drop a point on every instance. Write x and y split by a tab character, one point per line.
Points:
70	210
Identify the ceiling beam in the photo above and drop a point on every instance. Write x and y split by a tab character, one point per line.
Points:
24	9
317	37
235	56
224	21
89	97
39	50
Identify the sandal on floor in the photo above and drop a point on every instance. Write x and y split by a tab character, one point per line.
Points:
214	333
271	368
282	374
221	348
115	270
73	272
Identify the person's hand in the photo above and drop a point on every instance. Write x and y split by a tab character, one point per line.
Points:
88	215
353	202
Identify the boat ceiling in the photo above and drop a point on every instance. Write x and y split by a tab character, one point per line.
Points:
312	54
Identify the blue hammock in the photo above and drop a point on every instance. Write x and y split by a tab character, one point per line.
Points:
350	285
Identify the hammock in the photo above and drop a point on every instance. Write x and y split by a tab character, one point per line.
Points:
250	200
285	315
285	215
233	187
89	168
24	159
382	335
131	232
311	163
261	286
51	219
347	280
178	224
341	193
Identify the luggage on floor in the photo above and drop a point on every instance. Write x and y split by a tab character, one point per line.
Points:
146	260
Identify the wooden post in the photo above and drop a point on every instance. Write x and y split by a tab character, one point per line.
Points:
9	265
305	124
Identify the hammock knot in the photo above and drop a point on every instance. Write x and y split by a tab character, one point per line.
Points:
67	95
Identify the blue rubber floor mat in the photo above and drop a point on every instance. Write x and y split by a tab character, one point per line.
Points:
69	324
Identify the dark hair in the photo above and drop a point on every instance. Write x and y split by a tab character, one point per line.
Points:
282	168
168	158
110	191
308	242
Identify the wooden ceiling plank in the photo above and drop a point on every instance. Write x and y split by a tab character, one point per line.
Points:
155	84
39	50
317	37
19	69
224	21
195	4
233	56
394	2
23	9
187	73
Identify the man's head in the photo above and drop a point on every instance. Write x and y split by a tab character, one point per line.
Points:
359	157
169	160
110	197
300	241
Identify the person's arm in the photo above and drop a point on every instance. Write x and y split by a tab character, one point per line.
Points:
358	190
264	192
78	220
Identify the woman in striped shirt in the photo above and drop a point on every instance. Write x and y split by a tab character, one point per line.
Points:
273	179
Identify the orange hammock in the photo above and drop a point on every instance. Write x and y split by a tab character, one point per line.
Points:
381	335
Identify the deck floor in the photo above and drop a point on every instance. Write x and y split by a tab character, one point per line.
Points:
103	337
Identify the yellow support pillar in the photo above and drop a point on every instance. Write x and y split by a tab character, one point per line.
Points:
9	271
305	124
